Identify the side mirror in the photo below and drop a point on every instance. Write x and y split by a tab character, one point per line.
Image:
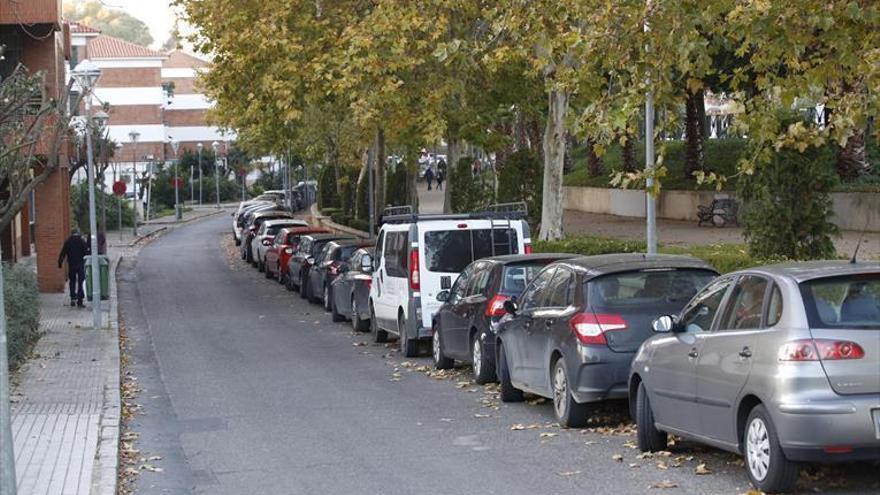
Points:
443	296
367	264
511	307
663	324
310	260
267	242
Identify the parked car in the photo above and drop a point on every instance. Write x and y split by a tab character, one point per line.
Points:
255	220
331	262
243	207
351	290
303	259
417	256
779	363
285	243
265	236
464	324
247	215
573	333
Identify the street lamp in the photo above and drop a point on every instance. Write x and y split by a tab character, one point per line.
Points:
134	136
178	214
216	146
101	119
200	146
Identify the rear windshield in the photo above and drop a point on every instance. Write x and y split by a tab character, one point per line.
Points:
450	251
851	301
345	252
666	288
517	277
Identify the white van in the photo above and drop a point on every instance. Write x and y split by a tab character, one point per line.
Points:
417	256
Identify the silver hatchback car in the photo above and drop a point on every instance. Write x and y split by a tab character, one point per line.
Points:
779	363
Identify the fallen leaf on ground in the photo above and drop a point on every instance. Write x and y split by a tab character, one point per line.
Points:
634	465
547	434
665	484
617	457
568	473
151	468
662	465
478	415
702	469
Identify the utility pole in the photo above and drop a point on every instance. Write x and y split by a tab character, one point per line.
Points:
134	135
371	155
650	200
200	146
7	456
216	146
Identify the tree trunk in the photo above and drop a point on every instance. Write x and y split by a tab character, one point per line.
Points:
593	159
380	172
852	160
695	131
453	152
629	155
554	158
362	176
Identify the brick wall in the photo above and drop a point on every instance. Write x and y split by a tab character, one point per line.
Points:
124	154
186	118
183	86
52	228
135	114
131	77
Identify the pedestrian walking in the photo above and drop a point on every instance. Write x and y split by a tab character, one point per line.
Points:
75	250
440	179
429	177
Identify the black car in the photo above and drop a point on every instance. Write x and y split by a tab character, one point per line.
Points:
351	290
577	326
303	259
463	326
328	265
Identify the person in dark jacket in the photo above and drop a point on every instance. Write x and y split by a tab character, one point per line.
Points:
75	250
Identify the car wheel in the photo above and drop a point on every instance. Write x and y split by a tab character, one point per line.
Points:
569	413
335	315
269	274
379	336
441	362
509	393
408	347
357	323
237	240
327	296
650	439
484	368
766	464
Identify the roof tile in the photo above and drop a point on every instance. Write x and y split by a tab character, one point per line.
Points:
110	47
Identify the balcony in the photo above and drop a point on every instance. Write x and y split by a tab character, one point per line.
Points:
30	12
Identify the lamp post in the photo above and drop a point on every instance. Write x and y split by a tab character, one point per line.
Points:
101	118
134	136
178	214
200	146
216	146
650	200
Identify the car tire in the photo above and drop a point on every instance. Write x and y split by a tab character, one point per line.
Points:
261	267
269	274
484	368
335	315
357	324
509	393
768	468
237	240
327	295
569	412
408	347
649	438
441	362
379	336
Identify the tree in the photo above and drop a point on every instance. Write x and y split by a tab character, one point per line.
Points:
110	21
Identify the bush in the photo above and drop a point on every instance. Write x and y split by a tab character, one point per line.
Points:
521	179
79	208
469	192
22	311
788	207
724	257
397	186
327	197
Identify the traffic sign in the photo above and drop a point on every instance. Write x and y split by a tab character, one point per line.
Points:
119	188
176	182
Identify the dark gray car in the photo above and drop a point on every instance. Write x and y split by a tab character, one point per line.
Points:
351	290
573	333
778	363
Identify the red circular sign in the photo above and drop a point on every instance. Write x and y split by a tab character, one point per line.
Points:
119	188
176	182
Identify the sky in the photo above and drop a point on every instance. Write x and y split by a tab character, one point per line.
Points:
157	14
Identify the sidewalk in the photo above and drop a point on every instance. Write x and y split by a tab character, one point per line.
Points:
65	399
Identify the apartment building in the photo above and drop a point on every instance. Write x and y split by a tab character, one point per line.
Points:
186	114
35	36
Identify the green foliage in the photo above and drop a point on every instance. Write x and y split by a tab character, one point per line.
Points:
397	187
22	311
469	192
162	196
189	162
521	179
788	207
79	208
269	180
327	197
112	22
724	257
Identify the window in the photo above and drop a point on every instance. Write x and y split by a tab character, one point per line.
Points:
279	240
698	315
380	243
293	239
326	252
449	251
774	308
306	246
534	294
653	291
396	254
459	288
559	292
480	279
517	277
845	302
345	252
746	304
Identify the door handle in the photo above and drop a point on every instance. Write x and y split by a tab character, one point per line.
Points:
745	353
693	354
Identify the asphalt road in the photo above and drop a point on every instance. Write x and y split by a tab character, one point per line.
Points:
248	389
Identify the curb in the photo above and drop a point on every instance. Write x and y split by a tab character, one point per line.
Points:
324	221
104	479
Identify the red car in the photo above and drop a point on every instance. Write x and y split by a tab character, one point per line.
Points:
283	246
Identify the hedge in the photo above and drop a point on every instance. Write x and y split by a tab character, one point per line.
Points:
22	311
724	257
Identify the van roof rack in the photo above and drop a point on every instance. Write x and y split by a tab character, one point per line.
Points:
503	211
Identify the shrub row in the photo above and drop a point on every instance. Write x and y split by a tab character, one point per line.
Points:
22	311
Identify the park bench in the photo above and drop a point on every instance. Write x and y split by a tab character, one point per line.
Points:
721	213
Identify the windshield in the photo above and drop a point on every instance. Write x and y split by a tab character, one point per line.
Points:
851	301
517	277
450	251
664	288
346	251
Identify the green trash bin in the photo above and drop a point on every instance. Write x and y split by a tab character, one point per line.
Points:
104	274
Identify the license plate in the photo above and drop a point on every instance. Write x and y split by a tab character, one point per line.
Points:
876	414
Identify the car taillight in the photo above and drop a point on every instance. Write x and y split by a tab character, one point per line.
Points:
288	250
369	283
528	249
496	306
590	328
820	349
414	282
